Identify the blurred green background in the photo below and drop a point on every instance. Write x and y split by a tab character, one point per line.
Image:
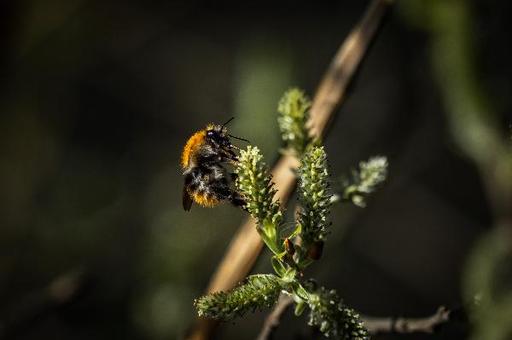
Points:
97	98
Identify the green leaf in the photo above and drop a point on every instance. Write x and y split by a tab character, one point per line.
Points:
278	266
300	307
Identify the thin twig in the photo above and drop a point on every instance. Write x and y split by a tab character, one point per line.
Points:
246	244
272	320
374	324
407	325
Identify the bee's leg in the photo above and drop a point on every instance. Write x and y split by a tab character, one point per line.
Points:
228	156
233	155
212	158
229	160
222	191
237	200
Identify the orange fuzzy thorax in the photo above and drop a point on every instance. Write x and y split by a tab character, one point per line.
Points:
191	147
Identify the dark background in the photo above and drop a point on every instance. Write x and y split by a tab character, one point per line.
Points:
97	99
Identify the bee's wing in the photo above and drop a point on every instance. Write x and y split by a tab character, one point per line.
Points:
187	200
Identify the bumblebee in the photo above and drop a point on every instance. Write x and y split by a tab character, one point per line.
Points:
204	159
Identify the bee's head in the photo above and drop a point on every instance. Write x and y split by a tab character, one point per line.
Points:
218	135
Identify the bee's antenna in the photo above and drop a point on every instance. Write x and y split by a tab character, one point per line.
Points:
226	123
242	139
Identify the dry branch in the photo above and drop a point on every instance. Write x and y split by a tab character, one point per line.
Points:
407	325
373	324
273	319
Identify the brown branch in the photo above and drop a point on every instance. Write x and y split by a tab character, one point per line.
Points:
374	324
246	244
332	89
272	320
407	325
